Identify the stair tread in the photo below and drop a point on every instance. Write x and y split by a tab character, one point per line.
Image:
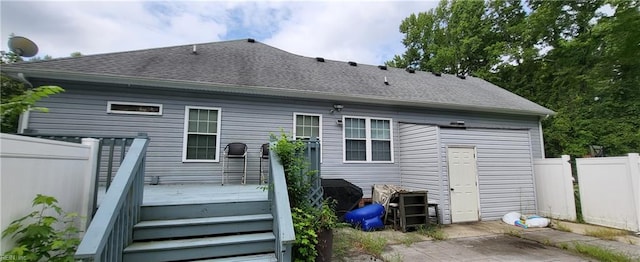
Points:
218	200
201	221
251	258
198	242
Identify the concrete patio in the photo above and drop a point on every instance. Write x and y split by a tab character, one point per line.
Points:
497	241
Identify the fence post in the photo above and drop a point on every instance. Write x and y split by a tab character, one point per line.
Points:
634	177
567	177
89	186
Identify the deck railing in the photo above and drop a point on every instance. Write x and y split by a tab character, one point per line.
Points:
111	153
312	155
282	220
111	229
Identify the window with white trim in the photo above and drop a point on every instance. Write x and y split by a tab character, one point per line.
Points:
134	108
306	126
368	139
201	134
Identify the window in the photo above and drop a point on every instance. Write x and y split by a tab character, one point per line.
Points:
134	108
201	134
306	126
368	139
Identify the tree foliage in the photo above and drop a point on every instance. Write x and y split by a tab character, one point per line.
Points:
26	101
578	58
9	88
16	98
46	234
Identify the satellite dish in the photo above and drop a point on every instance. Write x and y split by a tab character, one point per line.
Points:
23	46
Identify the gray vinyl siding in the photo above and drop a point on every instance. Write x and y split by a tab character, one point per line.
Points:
419	157
81	110
505	169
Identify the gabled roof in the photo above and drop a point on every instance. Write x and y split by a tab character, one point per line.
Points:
242	66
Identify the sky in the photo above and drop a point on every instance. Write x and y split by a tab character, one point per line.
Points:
362	31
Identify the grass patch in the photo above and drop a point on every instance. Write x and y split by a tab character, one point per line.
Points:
396	257
433	231
410	238
561	227
370	244
564	246
600	254
346	240
514	233
605	233
341	243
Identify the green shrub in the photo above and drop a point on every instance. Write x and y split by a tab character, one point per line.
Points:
291	154
304	224
307	220
36	235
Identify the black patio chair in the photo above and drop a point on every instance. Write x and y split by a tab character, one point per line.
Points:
234	150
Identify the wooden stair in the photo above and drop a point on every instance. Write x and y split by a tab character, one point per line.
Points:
229	231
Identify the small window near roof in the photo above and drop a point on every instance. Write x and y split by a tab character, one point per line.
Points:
134	108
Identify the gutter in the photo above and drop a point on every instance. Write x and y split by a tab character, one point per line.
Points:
256	90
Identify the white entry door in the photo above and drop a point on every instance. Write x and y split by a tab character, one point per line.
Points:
463	184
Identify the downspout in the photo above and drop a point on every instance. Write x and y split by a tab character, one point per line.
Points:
23	120
20	77
441	180
542	136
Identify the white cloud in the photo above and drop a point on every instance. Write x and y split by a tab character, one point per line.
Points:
60	28
365	32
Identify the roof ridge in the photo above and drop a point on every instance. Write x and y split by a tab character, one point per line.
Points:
131	51
209	43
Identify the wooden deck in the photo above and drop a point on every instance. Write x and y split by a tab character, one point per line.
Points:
174	194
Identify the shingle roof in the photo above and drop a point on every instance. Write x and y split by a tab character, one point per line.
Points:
241	66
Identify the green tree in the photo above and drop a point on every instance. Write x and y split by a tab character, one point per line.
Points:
565	55
9	88
462	37
16	98
37	58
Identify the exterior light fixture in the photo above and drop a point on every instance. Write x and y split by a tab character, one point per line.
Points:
457	123
336	107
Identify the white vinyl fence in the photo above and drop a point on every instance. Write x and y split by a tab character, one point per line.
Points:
31	166
610	191
554	188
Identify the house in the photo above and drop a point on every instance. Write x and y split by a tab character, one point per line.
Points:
470	143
